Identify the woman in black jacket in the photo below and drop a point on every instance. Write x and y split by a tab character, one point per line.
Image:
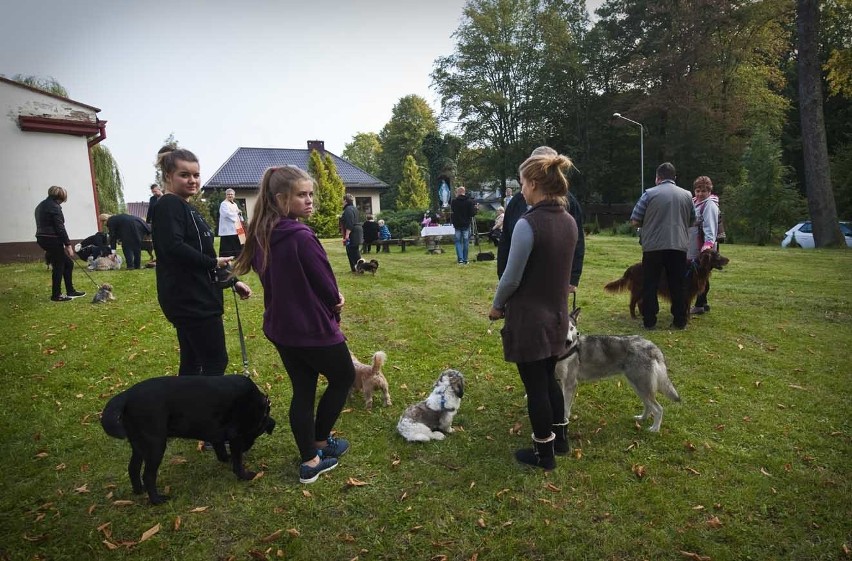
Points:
187	268
53	239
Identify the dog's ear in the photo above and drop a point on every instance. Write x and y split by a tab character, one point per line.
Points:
576	314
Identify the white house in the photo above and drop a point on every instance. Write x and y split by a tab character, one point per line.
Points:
46	140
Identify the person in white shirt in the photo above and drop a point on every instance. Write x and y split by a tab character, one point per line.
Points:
229	218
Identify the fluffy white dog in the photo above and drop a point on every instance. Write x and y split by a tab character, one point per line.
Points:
432	418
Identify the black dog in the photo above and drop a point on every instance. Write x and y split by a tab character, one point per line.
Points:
210	408
362	266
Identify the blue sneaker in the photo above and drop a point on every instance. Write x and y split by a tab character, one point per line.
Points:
309	474
335	447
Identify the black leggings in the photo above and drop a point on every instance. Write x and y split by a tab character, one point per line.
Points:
304	364
202	347
545	401
62	266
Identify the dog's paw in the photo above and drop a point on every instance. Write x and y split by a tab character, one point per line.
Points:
436	435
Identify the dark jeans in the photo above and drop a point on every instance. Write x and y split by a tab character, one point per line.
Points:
545	402
132	255
353	253
673	263
304	365
202	347
62	266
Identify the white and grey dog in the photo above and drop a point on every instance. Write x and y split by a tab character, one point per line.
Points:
432	418
593	357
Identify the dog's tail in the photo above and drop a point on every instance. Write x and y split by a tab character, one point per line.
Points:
619	285
379	358
664	383
112	414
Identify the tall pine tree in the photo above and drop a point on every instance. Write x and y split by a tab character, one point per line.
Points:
413	193
327	199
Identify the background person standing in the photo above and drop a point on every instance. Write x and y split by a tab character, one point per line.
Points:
353	233
464	209
704	232
53	239
664	212
229	218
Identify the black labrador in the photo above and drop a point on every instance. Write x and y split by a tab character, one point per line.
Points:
215	409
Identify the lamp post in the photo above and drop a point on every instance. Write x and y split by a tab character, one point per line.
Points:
641	148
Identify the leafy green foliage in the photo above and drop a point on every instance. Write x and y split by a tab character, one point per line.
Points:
763	425
107	181
412	189
328	197
365	151
403	223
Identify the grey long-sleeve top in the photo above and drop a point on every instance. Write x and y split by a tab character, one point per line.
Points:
519	254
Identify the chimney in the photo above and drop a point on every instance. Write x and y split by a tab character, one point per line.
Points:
317	145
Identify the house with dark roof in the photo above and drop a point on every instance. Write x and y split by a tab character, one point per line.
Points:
243	170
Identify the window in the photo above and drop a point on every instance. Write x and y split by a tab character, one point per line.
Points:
364	205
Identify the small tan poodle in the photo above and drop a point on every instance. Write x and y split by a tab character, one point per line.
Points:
369	378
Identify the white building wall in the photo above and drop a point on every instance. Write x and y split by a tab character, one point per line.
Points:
30	162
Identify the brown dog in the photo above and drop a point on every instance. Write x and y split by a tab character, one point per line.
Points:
696	282
369	378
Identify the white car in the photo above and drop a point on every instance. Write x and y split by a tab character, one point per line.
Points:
805	236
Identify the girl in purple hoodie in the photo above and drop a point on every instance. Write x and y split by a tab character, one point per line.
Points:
302	312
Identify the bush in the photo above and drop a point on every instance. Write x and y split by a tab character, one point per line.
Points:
624	229
402	223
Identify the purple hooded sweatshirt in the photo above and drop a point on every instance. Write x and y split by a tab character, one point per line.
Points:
299	289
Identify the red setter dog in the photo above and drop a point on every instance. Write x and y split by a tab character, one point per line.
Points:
699	273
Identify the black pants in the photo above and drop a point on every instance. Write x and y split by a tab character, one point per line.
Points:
304	365
545	402
353	253
673	263
132	254
62	266
202	347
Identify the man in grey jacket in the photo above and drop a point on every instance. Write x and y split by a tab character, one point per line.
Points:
664	212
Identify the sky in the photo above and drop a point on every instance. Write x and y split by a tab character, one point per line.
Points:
221	75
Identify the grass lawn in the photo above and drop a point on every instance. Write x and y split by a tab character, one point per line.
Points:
753	464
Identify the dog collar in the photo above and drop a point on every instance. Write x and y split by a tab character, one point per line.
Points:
572	350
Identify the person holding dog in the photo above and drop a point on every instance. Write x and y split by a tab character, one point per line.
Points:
353	234
703	232
187	267
302	312
664	212
130	231
532	296
53	239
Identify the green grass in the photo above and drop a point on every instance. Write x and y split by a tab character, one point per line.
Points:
753	464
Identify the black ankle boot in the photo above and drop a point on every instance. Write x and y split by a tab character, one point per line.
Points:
561	445
540	455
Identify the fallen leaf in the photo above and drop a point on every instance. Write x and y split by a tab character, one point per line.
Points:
766	473
552	487
714	522
109	545
415	529
177	460
60	467
693	471
796	387
122	503
352	482
91	509
695	556
306	493
41	455
472	485
638	470
82	489
294	533
149	532
698	507
258	555
481	523
481	408
506	524
39	538
199	509
272	537
689	446
176	525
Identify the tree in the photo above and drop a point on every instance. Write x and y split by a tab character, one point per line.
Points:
441	152
108	182
365	151
411	120
49	85
327	201
413	193
814	145
763	199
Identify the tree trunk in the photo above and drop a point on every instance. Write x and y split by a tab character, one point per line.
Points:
814	146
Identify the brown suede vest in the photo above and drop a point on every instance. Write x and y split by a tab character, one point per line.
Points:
537	313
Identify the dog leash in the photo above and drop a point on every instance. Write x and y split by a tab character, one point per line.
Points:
240	329
87	273
475	349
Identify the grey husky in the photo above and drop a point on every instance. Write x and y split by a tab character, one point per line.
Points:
593	357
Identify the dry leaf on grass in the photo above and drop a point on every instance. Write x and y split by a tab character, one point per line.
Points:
695	556
199	509
481	523
109	545
352	482
638	470
552	487
123	502
714	522
149	532
272	537
176	525
306	493
294	533
764	472
258	555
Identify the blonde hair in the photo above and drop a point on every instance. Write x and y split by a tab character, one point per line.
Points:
57	193
267	212
548	170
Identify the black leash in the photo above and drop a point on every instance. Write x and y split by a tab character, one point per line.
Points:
475	349
87	273
240	329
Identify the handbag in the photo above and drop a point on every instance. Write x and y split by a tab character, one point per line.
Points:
241	231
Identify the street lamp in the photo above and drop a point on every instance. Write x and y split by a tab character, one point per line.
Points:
641	148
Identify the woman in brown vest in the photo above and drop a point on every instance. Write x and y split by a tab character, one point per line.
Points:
532	296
